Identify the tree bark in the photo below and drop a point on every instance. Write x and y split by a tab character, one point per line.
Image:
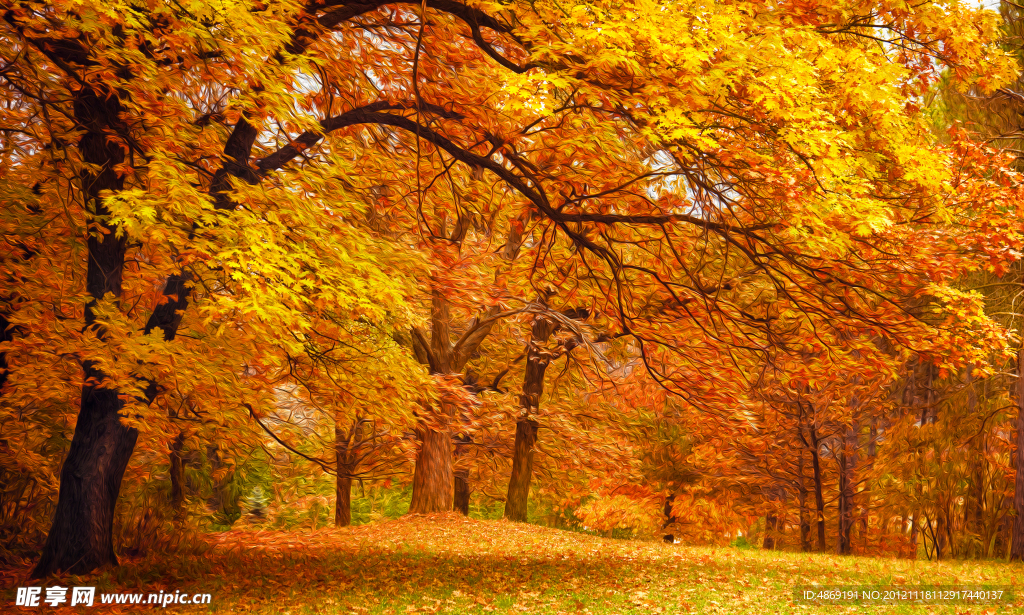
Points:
343	501
462	492
1017	544
177	474
912	547
433	480
771	528
522	467
343	466
81	536
433	484
805	522
847	463
819	498
670	517
526	428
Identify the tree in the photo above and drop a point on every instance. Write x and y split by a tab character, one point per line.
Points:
661	165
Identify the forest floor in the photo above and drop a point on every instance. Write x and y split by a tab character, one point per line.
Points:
452	564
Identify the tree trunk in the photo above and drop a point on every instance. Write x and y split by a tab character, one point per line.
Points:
522	467
912	547
462	491
847	463
433	483
177	475
343	465
433	480
343	500
819	498
771	528
1017	545
670	516
526	428
805	522
81	536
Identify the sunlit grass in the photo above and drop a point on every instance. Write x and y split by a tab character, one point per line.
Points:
450	564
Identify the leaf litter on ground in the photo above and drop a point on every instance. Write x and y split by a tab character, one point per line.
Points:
452	564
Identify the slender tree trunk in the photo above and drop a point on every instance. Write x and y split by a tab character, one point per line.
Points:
819	498
805	522
6	335
462	492
973	511
940	533
913	535
177	475
526	428
522	467
771	529
343	465
1017	546
847	465
670	516
81	536
343	500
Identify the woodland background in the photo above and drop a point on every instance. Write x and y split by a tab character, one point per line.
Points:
737	272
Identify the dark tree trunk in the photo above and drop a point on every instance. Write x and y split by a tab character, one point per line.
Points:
343	500
81	536
942	533
670	516
526	428
433	480
462	492
819	498
522	467
847	464
177	474
1017	544
463	489
805	522
6	335
343	464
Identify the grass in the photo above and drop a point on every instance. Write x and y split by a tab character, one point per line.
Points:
451	564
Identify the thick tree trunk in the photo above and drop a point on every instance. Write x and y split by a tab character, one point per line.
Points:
81	536
1017	544
433	480
522	468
